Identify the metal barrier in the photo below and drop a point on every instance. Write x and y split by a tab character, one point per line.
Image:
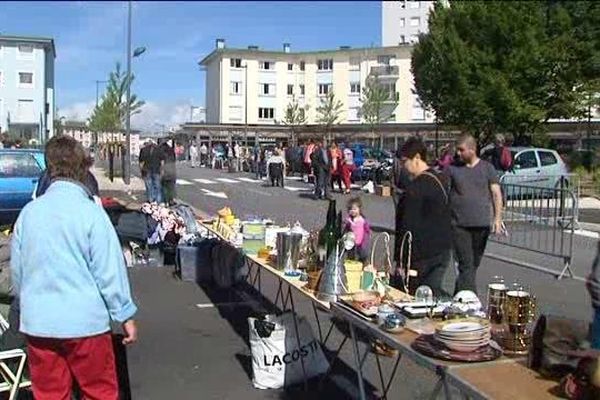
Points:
540	220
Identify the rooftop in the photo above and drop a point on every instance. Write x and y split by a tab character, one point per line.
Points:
30	39
255	51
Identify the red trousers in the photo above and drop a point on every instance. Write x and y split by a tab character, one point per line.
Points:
346	174
53	363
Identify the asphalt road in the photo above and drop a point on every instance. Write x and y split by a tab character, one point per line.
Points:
193	352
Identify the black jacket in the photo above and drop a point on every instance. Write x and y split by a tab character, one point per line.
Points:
318	161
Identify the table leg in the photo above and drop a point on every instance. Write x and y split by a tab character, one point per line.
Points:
331	326
386	387
361	384
332	362
291	297
318	321
278	294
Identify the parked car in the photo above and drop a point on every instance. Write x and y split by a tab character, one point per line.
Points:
20	170
537	168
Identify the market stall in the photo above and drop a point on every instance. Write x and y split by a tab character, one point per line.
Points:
479	352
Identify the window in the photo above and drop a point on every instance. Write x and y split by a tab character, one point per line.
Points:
526	160
302	90
354	114
266	89
302	65
25	79
384	60
547	158
354	62
25	51
414	38
236	62
325	65
19	166
290	90
235	113
236	87
414	4
415	21
355	87
290	67
267	65
324	88
402	39
1	76
302	113
25	111
266	113
402	22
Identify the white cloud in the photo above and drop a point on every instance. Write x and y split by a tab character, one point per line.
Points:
151	118
80	111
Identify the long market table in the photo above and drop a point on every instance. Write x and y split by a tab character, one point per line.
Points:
502	379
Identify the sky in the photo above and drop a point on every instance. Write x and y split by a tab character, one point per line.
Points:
90	37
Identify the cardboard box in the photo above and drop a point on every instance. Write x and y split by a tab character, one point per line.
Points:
383	191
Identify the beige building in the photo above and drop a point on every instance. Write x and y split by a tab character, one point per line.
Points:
253	86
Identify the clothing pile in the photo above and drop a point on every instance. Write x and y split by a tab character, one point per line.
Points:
169	226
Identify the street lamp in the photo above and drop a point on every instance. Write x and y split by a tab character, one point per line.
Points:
136	53
245	66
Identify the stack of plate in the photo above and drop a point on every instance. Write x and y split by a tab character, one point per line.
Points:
464	335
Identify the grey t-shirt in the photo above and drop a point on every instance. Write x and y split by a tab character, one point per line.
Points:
470	195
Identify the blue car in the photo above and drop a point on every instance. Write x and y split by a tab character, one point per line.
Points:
20	170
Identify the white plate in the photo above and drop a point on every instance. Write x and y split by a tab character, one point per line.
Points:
461	327
470	336
464	348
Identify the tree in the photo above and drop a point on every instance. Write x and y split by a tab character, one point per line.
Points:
295	115
329	112
491	66
378	104
111	113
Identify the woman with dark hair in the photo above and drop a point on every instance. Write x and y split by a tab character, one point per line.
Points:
65	253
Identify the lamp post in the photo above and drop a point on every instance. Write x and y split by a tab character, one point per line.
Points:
136	53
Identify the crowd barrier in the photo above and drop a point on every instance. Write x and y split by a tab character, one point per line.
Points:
541	216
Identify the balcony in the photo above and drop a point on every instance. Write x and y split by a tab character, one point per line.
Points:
386	71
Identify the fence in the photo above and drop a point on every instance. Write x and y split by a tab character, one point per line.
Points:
540	220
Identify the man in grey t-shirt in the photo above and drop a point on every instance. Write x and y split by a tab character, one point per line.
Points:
476	206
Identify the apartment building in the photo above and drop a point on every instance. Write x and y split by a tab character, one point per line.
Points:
402	21
254	86
27	87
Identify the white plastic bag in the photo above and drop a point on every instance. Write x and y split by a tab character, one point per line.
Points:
276	360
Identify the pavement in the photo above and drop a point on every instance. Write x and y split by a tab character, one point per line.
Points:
191	352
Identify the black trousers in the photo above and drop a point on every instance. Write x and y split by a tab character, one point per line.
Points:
323	180
431	273
469	246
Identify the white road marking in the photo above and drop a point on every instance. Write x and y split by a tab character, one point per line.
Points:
227	180
183	182
293	178
220	195
297	189
205	181
225	304
250	180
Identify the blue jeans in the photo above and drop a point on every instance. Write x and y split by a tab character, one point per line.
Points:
153	188
596	330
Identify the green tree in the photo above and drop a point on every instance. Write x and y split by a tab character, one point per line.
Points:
329	113
378	102
111	113
295	116
491	66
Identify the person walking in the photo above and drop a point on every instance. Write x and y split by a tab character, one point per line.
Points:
476	207
499	155
308	151
150	168
426	215
194	155
69	275
276	168
321	162
168	176
336	166
593	286
347	167
203	155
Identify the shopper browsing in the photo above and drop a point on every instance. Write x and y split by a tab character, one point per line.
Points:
70	277
476	206
426	215
359	226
